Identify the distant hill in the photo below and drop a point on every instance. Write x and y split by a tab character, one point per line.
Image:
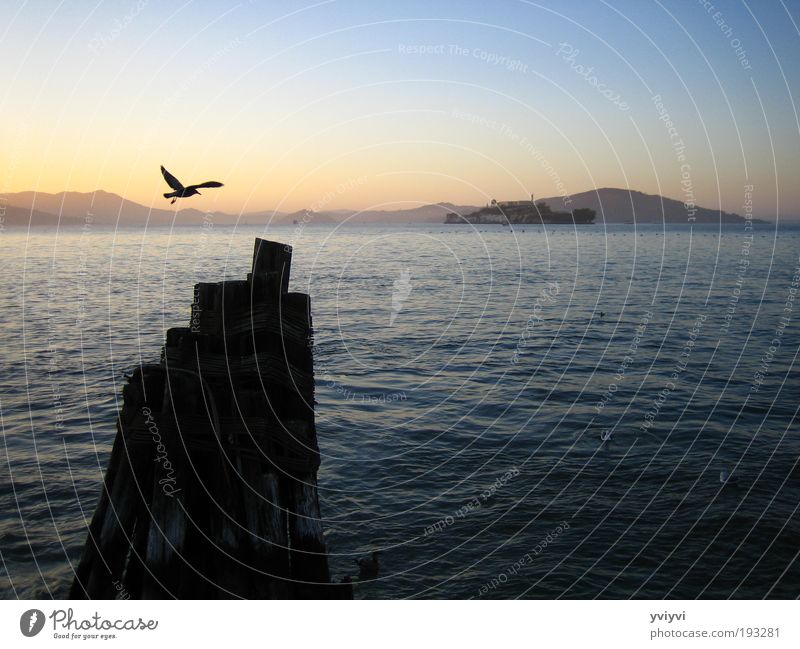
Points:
105	208
612	206
99	207
627	206
433	213
16	216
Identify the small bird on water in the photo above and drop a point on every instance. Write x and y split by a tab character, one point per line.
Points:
180	190
368	566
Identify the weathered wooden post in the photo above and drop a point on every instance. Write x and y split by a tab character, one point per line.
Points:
211	489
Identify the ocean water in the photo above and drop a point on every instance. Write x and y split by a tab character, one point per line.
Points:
539	413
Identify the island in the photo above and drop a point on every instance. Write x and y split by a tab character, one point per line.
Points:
517	212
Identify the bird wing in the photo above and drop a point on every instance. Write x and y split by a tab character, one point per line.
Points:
210	183
172	181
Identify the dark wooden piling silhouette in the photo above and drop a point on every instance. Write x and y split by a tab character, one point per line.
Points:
211	488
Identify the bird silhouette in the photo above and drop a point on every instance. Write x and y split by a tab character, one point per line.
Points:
180	190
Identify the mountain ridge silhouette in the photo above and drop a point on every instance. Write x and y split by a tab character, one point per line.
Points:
613	205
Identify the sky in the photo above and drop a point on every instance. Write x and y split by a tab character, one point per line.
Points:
341	104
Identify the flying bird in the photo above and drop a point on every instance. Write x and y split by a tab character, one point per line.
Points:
180	190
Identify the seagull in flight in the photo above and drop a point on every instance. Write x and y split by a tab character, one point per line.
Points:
180	190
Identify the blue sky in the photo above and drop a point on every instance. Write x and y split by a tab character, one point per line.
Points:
286	100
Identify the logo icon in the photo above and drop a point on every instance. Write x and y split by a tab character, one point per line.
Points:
31	622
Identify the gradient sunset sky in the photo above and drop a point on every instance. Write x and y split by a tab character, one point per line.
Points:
329	105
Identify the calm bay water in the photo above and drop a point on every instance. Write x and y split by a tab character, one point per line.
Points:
465	382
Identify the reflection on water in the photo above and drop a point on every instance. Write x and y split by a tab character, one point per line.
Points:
538	413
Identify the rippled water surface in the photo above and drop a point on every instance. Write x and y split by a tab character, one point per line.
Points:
465	382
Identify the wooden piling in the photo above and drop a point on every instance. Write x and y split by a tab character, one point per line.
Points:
211	488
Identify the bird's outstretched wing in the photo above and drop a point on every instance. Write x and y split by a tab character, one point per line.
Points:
210	183
172	181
